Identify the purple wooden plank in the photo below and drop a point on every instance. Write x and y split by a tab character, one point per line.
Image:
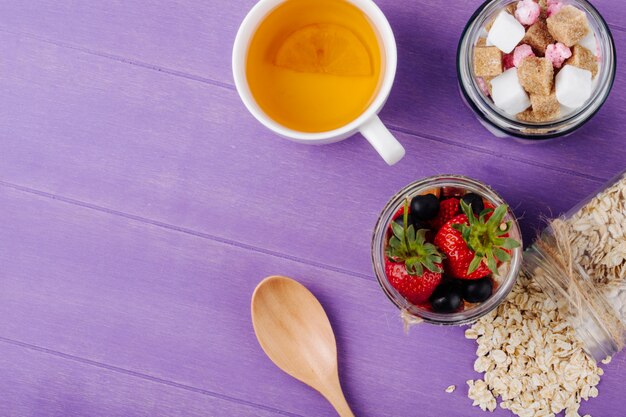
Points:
424	101
161	33
174	306
79	126
37	383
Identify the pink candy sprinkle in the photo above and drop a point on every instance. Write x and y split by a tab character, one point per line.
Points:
554	7
557	54
508	61
527	12
483	86
520	53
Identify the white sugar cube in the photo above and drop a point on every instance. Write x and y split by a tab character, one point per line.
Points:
589	42
573	86
566	111
508	94
506	32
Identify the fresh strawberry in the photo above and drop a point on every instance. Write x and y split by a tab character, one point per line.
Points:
474	245
447	192
399	213
447	210
416	289
413	266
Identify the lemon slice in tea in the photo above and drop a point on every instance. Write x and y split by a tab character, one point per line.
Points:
325	48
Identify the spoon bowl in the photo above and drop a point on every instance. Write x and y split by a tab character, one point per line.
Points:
295	333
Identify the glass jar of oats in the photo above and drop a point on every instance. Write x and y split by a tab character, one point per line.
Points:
580	262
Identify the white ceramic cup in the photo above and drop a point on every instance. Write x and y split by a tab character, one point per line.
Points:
367	123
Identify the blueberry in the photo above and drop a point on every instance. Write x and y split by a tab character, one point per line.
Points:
418	224
425	207
446	298
477	290
475	201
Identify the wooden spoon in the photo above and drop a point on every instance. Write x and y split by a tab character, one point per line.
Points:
295	333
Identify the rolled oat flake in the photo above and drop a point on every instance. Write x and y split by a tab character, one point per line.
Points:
570	298
580	263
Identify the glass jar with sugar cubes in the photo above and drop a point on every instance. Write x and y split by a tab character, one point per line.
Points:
580	263
535	69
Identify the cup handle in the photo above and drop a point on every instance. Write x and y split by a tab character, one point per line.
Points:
382	140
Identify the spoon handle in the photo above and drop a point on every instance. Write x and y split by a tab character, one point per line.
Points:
335	397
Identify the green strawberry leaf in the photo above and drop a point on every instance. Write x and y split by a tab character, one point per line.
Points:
486	237
430	265
414	266
409	246
485	212
497	217
410	234
420	236
398	230
473	266
502	256
510	243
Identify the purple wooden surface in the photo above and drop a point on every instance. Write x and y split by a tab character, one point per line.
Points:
426	88
141	204
198	166
39	382
174	309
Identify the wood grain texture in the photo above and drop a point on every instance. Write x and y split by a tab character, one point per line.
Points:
175	307
187	160
424	101
39	383
141	204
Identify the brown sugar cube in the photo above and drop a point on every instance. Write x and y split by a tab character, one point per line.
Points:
545	107
543	4
583	58
528	116
511	8
536	75
481	42
487	61
569	25
538	37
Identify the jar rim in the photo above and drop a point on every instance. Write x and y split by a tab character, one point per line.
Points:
487	111
378	242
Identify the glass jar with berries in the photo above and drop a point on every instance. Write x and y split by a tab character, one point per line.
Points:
446	250
535	69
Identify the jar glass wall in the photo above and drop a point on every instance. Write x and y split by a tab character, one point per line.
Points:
504	282
580	263
502	124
